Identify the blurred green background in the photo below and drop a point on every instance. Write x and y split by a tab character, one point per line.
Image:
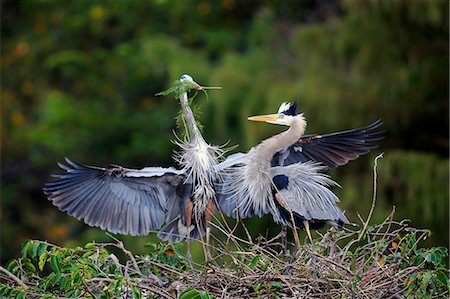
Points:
79	79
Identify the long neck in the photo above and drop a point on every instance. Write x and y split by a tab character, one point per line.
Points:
192	128
269	147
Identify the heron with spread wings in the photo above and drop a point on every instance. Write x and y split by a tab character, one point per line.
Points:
138	201
199	160
283	175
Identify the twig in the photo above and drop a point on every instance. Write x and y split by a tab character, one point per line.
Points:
374	197
14	277
120	245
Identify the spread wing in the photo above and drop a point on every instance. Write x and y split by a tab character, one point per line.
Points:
117	199
334	149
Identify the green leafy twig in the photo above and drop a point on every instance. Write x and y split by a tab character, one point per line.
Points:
180	86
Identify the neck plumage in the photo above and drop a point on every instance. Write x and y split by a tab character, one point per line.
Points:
193	131
269	147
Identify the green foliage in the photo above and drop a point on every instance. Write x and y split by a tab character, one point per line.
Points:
92	271
195	294
178	87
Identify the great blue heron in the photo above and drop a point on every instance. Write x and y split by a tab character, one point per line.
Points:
138	201
199	160
283	174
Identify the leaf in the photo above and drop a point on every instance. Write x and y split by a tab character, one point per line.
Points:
29	266
55	261
89	245
77	279
204	295
152	245
25	247
257	286
276	284
118	288
426	278
442	278
42	248
12	266
34	249
255	261
42	260
21	295
8	292
190	294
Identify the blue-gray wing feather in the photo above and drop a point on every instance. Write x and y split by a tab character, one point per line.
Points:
332	150
120	200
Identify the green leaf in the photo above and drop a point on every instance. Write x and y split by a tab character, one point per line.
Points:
442	278
55	261
25	247
89	245
190	294
205	295
34	249
89	253
12	266
29	266
42	248
77	279
426	278
257	286
9	293
118	288
357	278
136	293
2	290
255	261
152	245
276	284
21	295
265	266
42	261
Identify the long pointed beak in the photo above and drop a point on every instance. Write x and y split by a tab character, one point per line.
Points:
266	118
196	85
199	87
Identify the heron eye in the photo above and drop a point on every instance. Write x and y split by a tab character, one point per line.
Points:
185	77
281	115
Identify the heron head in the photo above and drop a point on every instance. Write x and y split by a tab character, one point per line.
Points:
285	115
191	84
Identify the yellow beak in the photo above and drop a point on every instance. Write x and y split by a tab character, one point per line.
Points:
196	86
266	118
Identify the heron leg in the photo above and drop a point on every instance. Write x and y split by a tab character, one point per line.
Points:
291	260
294	232
189	208
208	217
284	240
294	229
308	232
